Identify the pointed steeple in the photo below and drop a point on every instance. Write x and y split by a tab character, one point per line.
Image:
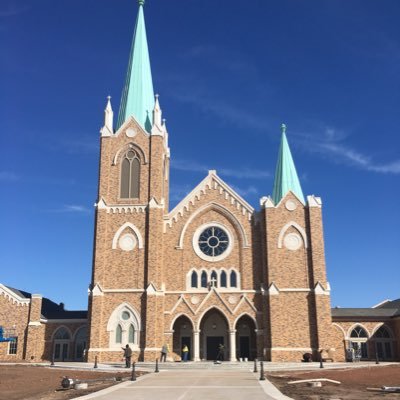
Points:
286	178
138	96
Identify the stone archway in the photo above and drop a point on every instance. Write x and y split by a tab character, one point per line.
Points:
246	340
183	335
214	330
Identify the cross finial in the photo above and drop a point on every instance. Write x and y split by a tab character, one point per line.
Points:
213	282
283	128
141	2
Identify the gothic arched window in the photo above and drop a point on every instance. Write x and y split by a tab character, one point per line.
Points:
358	332
214	280
223	279
131	336
204	279
233	279
194	279
118	334
130	175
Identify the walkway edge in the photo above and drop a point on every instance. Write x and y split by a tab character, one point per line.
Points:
111	388
272	391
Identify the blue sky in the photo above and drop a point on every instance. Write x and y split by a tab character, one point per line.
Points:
228	74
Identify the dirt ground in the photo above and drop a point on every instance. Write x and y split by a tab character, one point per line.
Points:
354	383
23	382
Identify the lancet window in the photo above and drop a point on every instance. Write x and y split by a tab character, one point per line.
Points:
130	175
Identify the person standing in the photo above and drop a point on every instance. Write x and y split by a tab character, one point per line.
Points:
185	353
164	351
127	355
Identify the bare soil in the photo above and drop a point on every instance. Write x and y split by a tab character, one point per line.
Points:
23	382
354	383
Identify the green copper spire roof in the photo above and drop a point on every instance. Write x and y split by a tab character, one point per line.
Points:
286	178
138	96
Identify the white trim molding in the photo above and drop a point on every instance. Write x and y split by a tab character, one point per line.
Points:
298	228
225	212
13	297
136	232
211	182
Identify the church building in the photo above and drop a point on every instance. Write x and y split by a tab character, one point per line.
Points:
211	271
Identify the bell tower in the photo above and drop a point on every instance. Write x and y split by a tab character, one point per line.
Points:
125	294
297	293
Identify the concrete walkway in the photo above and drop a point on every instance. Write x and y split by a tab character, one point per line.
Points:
192	385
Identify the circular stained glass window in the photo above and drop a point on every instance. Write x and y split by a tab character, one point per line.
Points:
213	241
125	315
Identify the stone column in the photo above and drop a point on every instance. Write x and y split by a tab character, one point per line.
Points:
232	345
196	342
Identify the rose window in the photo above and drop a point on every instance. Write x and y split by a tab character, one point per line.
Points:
213	241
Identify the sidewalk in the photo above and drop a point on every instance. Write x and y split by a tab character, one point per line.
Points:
192	385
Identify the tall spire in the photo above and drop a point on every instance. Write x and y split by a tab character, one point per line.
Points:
138	96
286	178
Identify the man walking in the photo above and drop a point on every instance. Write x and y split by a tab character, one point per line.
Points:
164	351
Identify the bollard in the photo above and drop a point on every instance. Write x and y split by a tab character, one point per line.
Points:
133	376
262	377
156	370
321	364
377	358
95	362
255	365
52	360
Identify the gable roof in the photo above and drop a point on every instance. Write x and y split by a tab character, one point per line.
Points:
211	181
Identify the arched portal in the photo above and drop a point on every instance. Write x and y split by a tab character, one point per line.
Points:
183	334
246	341
80	343
214	331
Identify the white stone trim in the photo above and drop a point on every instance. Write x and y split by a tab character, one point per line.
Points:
340	328
132	146
116	319
319	289
295	290
197	328
128	121
123	290
314	201
388	328
273	289
211	181
348	337
11	296
59	328
178	316
244	299
34	323
381	303
225	212
284	197
120	208
134	229
299	229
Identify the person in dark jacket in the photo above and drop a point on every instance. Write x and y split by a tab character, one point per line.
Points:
127	355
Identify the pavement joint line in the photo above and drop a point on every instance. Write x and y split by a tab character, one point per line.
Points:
191	387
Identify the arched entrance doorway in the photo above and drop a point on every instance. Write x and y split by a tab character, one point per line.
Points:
214	331
183	333
61	343
246	341
80	343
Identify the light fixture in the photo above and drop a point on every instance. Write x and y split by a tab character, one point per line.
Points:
214	326
184	326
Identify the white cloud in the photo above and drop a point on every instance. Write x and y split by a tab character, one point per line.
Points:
331	144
